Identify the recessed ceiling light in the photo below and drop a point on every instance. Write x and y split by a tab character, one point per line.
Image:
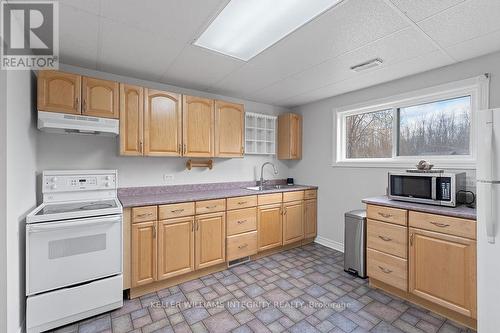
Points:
367	65
245	28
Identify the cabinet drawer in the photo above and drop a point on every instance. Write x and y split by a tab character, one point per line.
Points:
293	196
388	269
388	238
310	194
175	210
241	220
241	202
143	214
444	224
210	206
387	214
267	199
240	246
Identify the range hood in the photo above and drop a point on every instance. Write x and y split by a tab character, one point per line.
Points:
53	122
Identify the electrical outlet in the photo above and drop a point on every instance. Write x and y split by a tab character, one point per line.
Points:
168	179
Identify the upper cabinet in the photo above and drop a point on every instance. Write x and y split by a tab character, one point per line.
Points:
131	120
162	123
229	129
100	98
59	92
289	137
198	126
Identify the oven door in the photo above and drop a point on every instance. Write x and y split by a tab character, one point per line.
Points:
414	188
64	253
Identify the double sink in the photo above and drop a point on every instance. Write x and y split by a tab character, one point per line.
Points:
269	187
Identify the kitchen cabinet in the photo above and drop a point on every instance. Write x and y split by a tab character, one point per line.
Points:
442	269
100	98
175	247
210	239
269	226
162	123
131	120
143	253
229	129
59	92
310	218
293	222
198	126
289	136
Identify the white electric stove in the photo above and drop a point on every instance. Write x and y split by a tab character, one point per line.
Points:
74	249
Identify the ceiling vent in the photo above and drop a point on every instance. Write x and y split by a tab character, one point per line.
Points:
367	65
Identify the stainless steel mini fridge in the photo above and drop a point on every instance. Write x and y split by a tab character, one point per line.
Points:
355	243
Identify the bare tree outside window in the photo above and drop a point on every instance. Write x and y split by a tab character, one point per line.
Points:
438	128
369	135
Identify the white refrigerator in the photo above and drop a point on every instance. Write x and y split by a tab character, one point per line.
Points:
488	221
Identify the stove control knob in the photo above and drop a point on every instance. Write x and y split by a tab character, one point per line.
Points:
107	184
54	179
108	178
53	187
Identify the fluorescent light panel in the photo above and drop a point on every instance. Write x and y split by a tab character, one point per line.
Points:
245	28
367	65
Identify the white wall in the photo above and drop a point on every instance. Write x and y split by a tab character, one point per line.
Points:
59	151
3	201
341	189
21	186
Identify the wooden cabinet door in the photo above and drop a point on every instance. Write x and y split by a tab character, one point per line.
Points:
210	240
143	253
198	126
289	136
162	123
175	247
100	98
59	92
293	222
295	136
310	218
443	270
131	120
269	226
229	129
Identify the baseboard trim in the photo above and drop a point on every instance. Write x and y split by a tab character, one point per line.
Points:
330	243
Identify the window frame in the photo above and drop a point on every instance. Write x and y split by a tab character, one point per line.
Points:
477	88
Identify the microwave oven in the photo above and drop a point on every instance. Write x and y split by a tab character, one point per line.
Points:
428	188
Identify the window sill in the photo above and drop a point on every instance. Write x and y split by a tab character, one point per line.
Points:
394	164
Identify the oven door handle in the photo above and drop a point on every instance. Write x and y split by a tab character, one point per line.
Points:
434	188
41	227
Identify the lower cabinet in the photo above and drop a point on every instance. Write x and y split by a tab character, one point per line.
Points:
447	279
310	218
143	253
293	222
175	247
269	226
210	239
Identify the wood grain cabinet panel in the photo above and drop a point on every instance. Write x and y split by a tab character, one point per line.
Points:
388	238
145	213
59	92
241	245
131	120
162	123
445	224
175	210
100	98
210	240
210	206
443	270
289	136
310	218
175	247
241	202
293	222
293	196
387	214
143	253
269	226
241	220
198	126
387	268
229	129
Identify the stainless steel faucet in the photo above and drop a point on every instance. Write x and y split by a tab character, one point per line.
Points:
262	181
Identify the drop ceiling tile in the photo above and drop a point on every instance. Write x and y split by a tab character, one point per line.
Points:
418	10
197	67
475	47
466	21
181	19
129	51
78	37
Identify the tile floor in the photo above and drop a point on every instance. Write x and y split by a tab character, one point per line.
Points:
299	290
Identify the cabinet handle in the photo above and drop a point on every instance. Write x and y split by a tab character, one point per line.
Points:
192	226
177	210
154	230
384	215
242	202
242	150
76	102
385	270
386	239
284	211
144	215
211	207
242	246
197	225
441	225
241	221
411	239
141	147
179	148
84	105
184	148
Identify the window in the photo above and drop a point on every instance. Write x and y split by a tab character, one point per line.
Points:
435	124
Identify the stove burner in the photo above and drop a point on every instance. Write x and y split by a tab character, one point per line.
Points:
96	206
